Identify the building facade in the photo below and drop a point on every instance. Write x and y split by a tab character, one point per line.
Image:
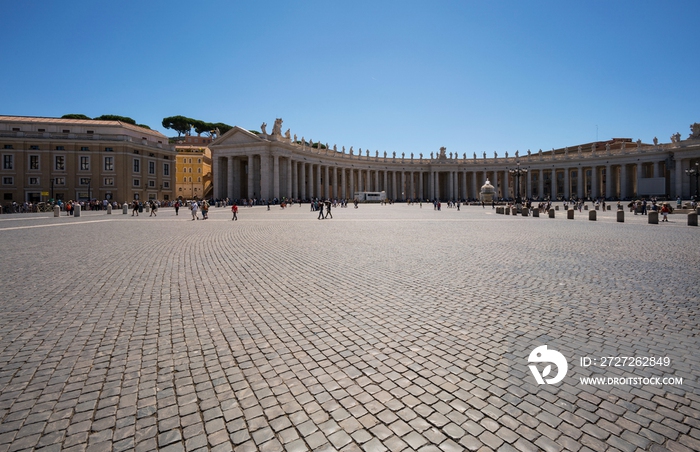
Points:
261	166
69	159
193	170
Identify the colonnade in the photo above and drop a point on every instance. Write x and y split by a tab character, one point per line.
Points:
267	177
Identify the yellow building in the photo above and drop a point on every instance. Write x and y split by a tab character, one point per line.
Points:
193	168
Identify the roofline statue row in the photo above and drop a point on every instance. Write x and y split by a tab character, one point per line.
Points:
278	160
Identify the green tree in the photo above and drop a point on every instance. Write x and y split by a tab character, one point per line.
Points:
75	116
181	124
125	119
223	128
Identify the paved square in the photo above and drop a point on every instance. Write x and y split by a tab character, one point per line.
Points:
386	328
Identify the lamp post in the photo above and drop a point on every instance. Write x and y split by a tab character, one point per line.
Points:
694	172
52	198
517	172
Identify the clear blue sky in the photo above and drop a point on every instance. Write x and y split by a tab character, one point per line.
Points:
388	76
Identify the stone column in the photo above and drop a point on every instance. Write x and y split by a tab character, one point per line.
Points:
594	182
265	174
394	188
431	184
236	193
540	183
420	195
276	176
528	189
319	189
386	190
215	172
290	182
506	185
579	182
352	182
295	179
553	188
376	181
639	178
567	183
229	184
656	169
402	186
608	181
475	190
678	177
251	177
343	192
623	181
465	195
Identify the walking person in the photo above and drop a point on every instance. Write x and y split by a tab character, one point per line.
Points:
664	211
194	208
328	210
177	207
153	209
234	210
320	210
135	206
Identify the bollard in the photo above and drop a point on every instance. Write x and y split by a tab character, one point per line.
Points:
56	211
620	216
696	211
585	207
570	214
513	211
125	208
653	217
551	213
693	219
608	207
592	215
76	210
148	208
525	211
556	207
507	211
597	207
109	209
536	213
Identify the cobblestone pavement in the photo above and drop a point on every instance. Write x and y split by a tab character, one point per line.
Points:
386	328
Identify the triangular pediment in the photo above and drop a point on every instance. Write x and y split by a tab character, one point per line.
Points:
237	135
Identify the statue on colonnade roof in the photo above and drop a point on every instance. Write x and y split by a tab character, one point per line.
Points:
277	128
262	128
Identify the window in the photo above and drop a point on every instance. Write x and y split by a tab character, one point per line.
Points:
190	161
166	169
84	148
109	149
109	163
60	163
199	179
66	131
151	184
151	167
15	129
8	180
33	162
41	130
109	181
90	131
33	181
199	160
190	170
8	161
84	181
137	182
8	146
7	196
199	170
60	181
34	147
137	165
84	163
60	148
166	184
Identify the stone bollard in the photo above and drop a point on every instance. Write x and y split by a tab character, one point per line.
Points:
109	209
556	207
76	210
525	211
551	213
536	213
696	211
620	216
125	208
597	207
592	214
585	207
513	211
148	208
570	214
693	219
507	210
56	211
653	217
608	207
